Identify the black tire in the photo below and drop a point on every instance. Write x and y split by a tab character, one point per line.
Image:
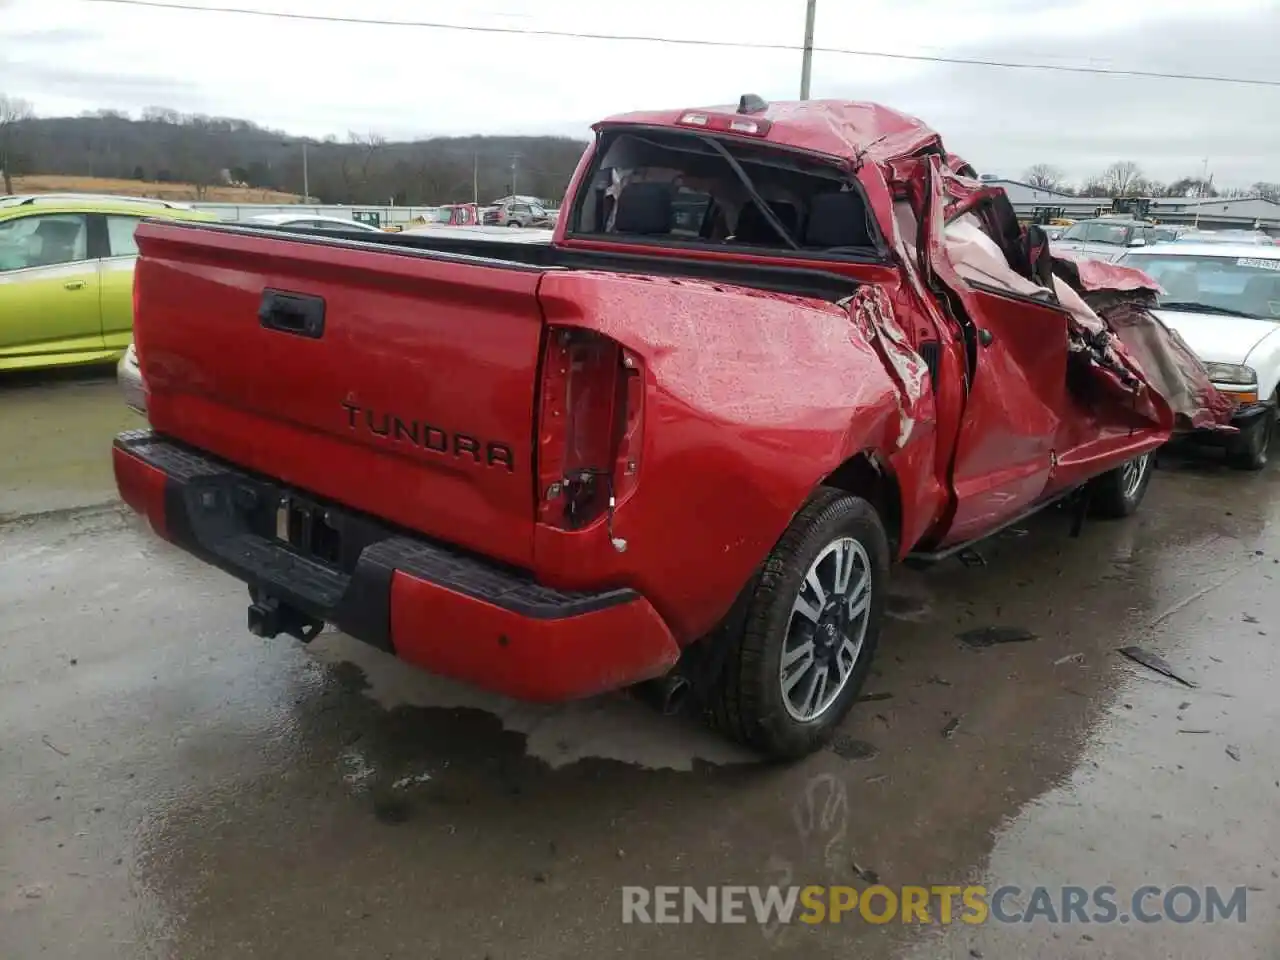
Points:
513	223
1251	448
1113	496
746	699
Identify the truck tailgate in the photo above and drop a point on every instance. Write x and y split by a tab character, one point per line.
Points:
392	381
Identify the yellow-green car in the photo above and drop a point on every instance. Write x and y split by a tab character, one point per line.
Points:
66	275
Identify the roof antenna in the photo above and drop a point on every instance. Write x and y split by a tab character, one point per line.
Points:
750	103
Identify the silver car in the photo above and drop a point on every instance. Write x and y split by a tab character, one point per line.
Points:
129	376
311	221
1108	238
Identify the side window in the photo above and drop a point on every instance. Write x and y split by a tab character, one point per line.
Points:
520	208
1075	232
120	242
539	212
43	241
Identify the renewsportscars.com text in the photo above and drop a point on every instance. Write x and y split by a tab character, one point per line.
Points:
933	904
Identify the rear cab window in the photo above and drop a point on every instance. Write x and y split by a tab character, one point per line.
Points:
660	186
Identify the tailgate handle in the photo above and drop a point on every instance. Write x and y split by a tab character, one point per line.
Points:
298	313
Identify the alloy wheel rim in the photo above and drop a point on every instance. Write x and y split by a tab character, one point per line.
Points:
826	629
1131	475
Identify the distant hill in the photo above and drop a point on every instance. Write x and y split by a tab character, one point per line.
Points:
165	147
58	183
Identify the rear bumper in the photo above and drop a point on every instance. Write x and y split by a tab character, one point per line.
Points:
446	611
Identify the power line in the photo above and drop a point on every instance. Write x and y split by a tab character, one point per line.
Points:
682	41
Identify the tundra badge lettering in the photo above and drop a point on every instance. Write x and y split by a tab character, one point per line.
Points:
427	436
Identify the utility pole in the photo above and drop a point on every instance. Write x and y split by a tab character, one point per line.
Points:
1204	173
475	179
306	180
515	160
806	65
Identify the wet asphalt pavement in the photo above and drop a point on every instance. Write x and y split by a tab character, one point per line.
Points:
173	787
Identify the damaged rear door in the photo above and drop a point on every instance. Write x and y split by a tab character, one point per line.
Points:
1017	350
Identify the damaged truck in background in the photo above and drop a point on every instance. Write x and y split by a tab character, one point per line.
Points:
771	350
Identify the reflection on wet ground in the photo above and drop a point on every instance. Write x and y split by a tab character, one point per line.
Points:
174	787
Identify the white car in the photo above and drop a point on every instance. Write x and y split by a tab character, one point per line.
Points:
1224	299
1225	236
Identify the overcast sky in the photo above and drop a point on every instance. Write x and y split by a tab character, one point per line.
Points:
67	56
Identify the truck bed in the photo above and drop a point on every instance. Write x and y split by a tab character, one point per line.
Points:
804	279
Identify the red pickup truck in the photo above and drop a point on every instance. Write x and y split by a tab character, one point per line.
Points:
771	350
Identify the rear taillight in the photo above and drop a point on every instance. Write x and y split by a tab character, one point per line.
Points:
589	427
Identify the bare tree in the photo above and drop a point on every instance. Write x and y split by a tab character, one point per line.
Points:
369	145
1266	190
1191	187
1045	176
14	111
1094	187
161	115
1121	176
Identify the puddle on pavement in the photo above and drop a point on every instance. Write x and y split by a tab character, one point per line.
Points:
349	803
411	802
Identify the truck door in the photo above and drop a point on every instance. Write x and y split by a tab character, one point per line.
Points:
1017	391
1005	452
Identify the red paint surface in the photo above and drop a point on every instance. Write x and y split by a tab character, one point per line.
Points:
452	346
1015	406
542	660
142	487
751	399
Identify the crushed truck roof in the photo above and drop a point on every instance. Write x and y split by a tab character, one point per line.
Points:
836	128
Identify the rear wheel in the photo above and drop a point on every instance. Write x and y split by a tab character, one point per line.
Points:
1250	449
1118	493
513	223
810	631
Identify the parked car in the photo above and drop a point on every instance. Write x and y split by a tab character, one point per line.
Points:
1224	300
1107	238
453	215
311	221
129	376
66	275
519	213
674	453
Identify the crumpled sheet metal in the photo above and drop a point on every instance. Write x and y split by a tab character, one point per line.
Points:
1111	308
1165	359
872	312
1098	275
1124	298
